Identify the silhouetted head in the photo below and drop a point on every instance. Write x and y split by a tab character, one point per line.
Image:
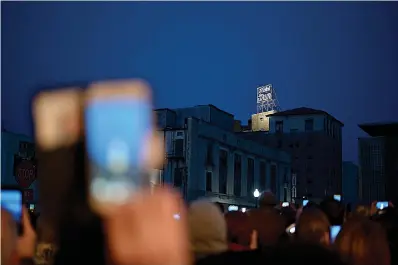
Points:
363	242
333	210
267	199
238	226
313	227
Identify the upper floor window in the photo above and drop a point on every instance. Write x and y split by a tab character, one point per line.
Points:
309	125
279	126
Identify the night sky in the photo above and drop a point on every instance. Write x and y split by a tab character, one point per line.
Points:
341	57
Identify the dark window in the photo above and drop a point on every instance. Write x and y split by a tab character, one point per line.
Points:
179	147
273	178
309	125
237	175
285	194
209	177
250	175
263	175
279	126
178	177
223	171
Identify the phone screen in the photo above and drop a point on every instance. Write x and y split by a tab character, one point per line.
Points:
381	205
305	202
118	130
337	197
285	204
334	231
11	200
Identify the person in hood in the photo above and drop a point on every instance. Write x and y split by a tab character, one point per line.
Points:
207	229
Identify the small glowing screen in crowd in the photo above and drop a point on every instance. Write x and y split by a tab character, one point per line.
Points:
243	210
334	231
291	229
232	208
285	204
305	202
337	197
381	205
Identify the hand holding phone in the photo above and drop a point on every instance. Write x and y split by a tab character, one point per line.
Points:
27	241
334	231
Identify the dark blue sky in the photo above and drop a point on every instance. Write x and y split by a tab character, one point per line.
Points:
341	57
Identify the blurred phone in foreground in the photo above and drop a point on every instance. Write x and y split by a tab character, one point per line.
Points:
305	202
334	231
381	205
11	200
285	204
120	139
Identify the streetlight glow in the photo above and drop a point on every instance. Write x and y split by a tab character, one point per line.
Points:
256	193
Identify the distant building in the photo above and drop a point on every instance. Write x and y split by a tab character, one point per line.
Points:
18	164
206	158
350	182
378	160
313	138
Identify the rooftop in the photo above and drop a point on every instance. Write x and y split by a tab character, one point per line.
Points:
302	111
380	129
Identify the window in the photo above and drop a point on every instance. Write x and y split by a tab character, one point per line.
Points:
279	126
309	125
237	175
177	180
263	175
273	178
250	175
209	178
223	171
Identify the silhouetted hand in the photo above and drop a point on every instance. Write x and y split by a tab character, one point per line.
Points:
145	232
27	241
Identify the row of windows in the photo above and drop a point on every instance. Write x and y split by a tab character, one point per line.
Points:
250	171
308	126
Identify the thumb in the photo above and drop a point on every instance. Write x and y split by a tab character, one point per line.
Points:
27	225
253	240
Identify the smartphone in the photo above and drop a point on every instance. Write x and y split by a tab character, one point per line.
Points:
31	207
334	231
121	143
337	197
291	229
305	202
11	200
381	205
285	204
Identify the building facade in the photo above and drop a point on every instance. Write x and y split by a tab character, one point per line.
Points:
313	138
350	183
18	164
206	158
378	160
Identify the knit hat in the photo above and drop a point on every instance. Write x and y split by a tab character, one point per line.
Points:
207	226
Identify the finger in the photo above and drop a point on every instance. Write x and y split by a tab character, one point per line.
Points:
27	226
253	240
